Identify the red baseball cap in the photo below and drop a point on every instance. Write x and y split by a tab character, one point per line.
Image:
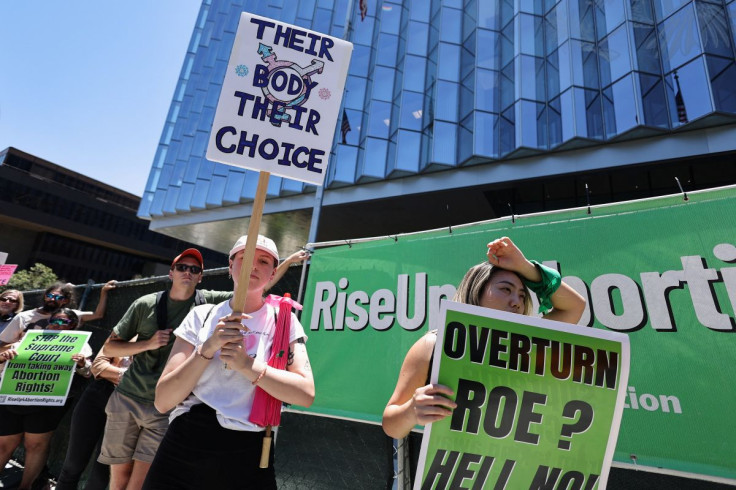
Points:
190	252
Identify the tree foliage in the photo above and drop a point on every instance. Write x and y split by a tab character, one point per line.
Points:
38	276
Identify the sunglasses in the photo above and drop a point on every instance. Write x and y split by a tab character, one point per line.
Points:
60	321
8	300
194	269
55	297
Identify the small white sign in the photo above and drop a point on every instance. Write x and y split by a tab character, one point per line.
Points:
280	100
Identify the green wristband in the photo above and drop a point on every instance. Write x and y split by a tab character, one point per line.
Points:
545	288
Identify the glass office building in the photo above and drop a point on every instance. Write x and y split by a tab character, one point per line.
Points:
463	110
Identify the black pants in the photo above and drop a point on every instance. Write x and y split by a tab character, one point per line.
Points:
197	452
85	436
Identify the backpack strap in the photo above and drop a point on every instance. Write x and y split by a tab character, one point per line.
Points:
199	298
161	309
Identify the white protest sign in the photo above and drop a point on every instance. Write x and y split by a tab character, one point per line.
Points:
280	100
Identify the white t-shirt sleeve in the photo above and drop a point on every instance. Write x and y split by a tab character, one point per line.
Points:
297	331
86	350
189	328
13	332
81	313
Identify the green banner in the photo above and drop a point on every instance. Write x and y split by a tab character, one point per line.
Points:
660	270
538	403
42	372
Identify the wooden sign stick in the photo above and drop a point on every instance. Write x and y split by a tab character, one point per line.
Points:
241	291
246	266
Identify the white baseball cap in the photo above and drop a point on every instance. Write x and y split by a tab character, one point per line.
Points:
263	243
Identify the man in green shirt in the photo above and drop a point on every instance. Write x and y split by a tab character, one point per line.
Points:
134	427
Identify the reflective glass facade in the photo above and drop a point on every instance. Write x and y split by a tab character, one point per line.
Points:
451	84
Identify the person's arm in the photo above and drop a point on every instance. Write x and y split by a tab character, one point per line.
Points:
118	347
101	305
294	385
414	402
121	344
299	256
568	305
182	371
105	367
186	364
8	353
82	366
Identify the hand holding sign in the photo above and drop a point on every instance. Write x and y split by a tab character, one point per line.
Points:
9	354
431	404
79	359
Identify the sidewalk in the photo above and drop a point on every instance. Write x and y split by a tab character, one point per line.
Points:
13	472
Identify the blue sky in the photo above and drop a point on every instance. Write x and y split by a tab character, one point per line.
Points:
86	84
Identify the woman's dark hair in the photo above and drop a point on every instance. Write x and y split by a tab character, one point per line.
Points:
70	314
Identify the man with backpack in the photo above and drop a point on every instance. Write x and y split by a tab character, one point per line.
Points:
134	427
